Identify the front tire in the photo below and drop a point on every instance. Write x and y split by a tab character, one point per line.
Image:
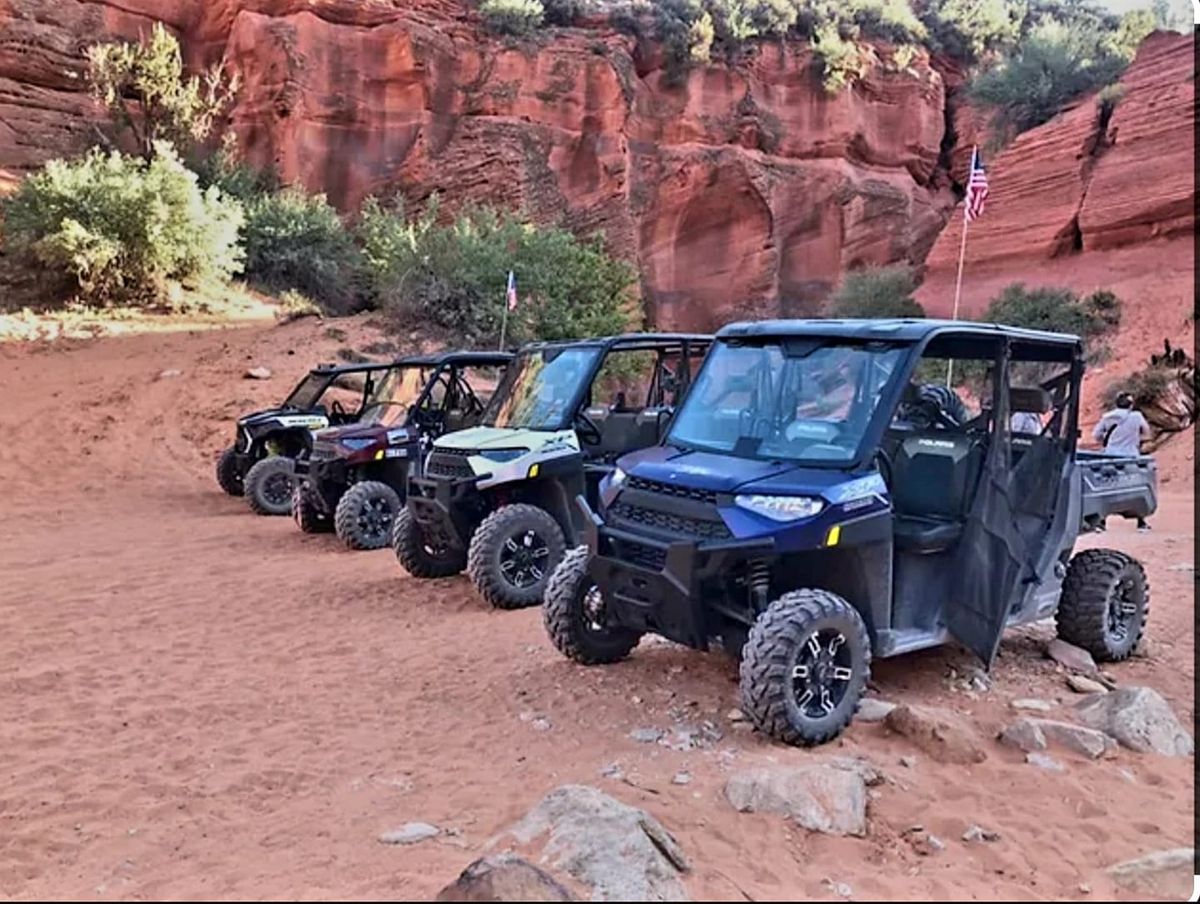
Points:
1105	603
269	485
513	553
418	556
574	613
365	513
228	476
804	667
305	513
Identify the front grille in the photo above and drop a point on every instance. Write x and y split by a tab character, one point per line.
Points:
323	450
677	492
640	554
668	522
449	463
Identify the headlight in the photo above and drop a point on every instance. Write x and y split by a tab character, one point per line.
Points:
781	508
616	479
502	455
356	445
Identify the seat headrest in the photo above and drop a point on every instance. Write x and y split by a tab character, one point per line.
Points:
1031	399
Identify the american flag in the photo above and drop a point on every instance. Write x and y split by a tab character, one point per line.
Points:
512	291
977	188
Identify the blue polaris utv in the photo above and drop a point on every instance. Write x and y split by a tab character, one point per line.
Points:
821	497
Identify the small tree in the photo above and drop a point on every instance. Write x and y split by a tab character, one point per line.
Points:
144	90
877	292
512	17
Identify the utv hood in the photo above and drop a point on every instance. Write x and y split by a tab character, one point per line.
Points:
286	417
481	438
727	473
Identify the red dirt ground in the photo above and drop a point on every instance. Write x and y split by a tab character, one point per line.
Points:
201	703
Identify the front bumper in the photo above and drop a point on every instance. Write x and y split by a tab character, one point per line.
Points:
325	480
657	586
444	507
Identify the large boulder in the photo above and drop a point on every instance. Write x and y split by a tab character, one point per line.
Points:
828	797
504	877
1162	874
1139	718
620	852
940	733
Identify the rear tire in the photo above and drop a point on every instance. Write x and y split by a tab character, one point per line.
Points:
269	485
305	513
228	476
365	514
513	553
823	635
574	614
418	557
1105	604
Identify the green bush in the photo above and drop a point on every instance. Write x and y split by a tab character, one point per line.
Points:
454	275
295	240
877	292
564	12
1058	311
115	229
1050	68
968	29
225	169
512	17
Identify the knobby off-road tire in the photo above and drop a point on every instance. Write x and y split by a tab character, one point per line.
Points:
364	515
512	555
818	632
1105	604
305	513
269	485
227	473
420	558
574	615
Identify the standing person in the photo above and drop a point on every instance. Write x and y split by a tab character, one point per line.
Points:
1121	431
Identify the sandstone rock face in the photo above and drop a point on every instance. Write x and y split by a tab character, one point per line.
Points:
1083	184
742	191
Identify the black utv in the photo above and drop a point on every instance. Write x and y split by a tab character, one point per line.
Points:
815	503
354	480
259	465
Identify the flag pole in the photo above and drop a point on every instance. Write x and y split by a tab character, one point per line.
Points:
504	316
962	256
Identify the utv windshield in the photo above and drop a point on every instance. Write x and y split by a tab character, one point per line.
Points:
541	389
394	395
307	392
800	400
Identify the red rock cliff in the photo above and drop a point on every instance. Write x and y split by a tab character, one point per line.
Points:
740	191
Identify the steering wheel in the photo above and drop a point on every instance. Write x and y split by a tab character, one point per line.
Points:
588	432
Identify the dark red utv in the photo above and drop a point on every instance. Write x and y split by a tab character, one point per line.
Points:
355	478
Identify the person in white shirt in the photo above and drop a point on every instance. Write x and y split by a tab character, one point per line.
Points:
1121	432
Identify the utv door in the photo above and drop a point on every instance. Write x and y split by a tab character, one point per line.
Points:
1012	536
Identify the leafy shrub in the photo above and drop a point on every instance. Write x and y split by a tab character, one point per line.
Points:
225	169
1058	311
454	275
115	229
967	29
295	240
143	87
877	292
564	12
512	17
1050	68
294	305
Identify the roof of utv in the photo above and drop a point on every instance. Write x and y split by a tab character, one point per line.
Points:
479	358
900	329
636	340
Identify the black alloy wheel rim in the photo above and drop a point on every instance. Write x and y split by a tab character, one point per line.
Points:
1122	609
277	489
523	559
375	518
822	672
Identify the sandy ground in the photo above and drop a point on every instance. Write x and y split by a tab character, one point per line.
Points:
197	702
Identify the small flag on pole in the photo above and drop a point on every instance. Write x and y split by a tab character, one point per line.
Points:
977	188
512	291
